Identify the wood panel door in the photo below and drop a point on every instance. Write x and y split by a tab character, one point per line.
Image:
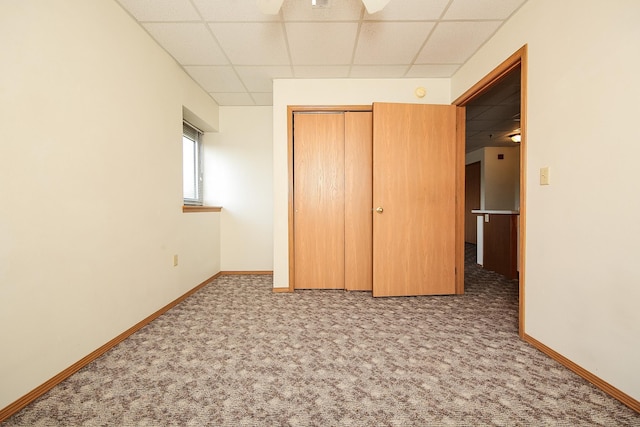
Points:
471	201
358	228
414	193
319	200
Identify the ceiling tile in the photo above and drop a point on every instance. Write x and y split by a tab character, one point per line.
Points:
498	112
432	70
260	79
188	43
234	11
339	10
321	72
390	43
410	10
161	10
482	9
252	43
378	71
321	43
216	78
455	42
230	99
262	98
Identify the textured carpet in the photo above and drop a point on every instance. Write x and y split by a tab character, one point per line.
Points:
236	354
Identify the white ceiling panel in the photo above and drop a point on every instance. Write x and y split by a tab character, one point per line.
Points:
378	71
231	99
323	72
216	79
338	10
262	98
432	70
234	50
252	43
232	11
260	79
482	9
410	10
161	10
390	43
321	43
188	43
455	42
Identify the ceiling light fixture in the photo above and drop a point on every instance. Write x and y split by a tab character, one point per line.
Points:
272	7
515	136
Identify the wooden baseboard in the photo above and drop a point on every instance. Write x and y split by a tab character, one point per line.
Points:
593	379
282	290
265	272
16	406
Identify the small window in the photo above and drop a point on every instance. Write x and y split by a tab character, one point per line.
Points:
191	165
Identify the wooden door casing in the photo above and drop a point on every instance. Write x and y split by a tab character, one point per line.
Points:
414	182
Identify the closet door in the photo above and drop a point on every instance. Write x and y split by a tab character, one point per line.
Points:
319	200
358	228
414	191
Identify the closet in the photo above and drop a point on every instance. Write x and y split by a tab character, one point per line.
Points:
373	199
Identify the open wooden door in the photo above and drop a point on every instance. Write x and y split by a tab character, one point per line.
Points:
414	199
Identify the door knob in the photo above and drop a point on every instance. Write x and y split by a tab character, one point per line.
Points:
379	209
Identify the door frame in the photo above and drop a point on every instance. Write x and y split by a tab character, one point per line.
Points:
519	58
291	109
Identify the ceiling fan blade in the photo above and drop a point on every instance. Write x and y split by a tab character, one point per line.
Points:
270	7
374	6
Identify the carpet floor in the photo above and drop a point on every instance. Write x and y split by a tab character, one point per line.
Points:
236	354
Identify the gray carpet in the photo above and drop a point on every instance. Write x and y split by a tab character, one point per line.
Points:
236	354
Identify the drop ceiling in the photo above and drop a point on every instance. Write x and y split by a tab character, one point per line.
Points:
233	51
493	116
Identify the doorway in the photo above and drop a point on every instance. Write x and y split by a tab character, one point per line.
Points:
516	64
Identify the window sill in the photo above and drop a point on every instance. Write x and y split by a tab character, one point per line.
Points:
188	209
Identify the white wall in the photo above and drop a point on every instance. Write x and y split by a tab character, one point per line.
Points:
239	176
582	282
501	178
91	185
328	92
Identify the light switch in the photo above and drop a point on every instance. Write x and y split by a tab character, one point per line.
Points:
544	175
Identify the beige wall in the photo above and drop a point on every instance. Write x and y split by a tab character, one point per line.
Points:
328	92
239	178
582	283
90	173
499	178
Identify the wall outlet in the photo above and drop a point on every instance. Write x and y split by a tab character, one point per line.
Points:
175	260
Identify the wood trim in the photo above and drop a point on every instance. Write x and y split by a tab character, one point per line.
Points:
593	379
292	277
460	199
488	81
519	58
25	400
189	209
323	108
282	290
256	272
524	67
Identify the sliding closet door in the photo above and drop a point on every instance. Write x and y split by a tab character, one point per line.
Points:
414	191
319	200
358	216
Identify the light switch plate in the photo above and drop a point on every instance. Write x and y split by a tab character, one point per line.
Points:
544	175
